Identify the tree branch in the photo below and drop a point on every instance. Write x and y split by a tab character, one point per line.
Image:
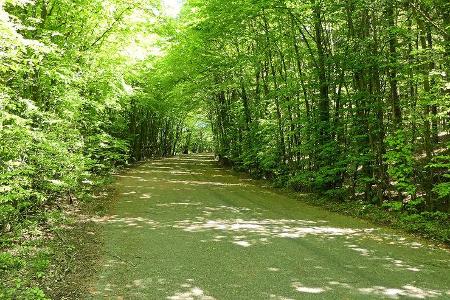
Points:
110	28
429	20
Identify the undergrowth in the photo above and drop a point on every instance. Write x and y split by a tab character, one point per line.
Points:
49	255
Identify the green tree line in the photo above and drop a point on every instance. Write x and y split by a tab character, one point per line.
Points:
349	98
73	104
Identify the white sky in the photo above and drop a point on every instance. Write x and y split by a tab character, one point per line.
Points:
172	7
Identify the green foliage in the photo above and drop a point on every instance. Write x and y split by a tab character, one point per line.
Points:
345	98
8	261
106	152
441	163
393	205
302	182
22	271
40	264
63	99
399	159
442	189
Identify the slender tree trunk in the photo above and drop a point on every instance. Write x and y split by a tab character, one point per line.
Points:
282	145
393	73
324	102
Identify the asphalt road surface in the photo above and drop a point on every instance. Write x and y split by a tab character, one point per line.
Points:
184	228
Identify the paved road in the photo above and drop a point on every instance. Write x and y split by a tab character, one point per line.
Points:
183	228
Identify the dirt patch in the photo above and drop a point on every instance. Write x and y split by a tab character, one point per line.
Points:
77	249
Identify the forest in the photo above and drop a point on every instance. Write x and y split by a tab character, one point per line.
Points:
76	104
345	99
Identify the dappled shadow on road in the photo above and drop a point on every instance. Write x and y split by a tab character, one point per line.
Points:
185	229
190	292
408	291
385	261
266	229
208	183
122	222
136	288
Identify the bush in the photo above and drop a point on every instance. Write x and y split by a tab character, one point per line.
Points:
302	182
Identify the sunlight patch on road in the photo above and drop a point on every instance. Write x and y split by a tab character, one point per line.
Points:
129	176
276	297
273	269
184	173
137	222
362	251
202	161
309	290
405	291
340	284
390	263
129	193
137	283
171	204
145	196
408	290
223	209
192	293
192	163
264	230
267	227
242	243
395	239
212	183
161	167
399	264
